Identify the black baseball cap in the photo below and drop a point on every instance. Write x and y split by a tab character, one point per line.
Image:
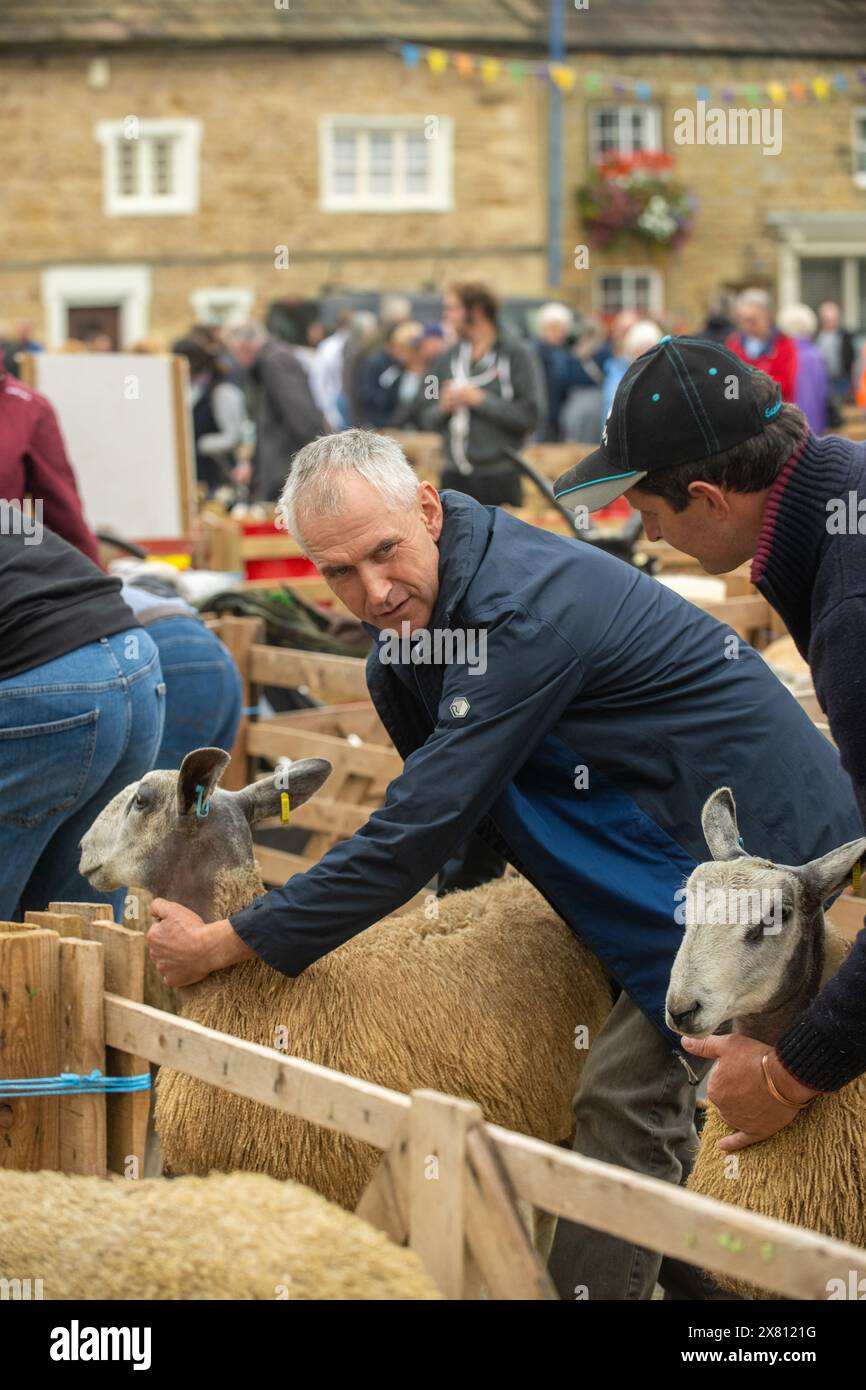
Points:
676	404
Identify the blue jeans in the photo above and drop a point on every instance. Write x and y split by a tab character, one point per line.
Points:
73	733
202	689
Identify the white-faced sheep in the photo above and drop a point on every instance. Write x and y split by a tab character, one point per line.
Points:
756	951
480	999
229	1236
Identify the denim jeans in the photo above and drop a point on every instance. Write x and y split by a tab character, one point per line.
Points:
73	733
635	1108
202	689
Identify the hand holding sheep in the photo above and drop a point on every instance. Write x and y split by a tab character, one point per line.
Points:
739	1091
185	949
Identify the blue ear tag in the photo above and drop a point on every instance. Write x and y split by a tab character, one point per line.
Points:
774	410
200	811
740	842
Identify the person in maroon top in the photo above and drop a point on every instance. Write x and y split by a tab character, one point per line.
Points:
33	463
760	343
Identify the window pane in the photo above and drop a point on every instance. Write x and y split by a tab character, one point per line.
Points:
611	293
345	161
162	165
381	161
417	151
641	293
819	280
127	167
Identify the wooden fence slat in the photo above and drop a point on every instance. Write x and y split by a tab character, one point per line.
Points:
789	1260
86	912
277	867
64	923
82	1048
437	1185
368	760
499	1241
126	1112
332	679
239	635
29	1045
291	1084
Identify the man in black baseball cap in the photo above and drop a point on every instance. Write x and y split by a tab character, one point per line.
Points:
682	402
722	469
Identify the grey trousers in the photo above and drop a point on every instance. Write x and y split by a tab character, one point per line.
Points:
636	1108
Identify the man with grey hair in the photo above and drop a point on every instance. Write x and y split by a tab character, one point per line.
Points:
760	343
575	716
286	414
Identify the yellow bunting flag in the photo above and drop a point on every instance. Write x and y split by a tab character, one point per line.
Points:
776	92
437	61
821	87
490	69
564	77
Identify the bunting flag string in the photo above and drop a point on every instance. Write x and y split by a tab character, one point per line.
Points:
569	79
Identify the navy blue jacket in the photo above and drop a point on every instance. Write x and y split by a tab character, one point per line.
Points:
810	562
589	665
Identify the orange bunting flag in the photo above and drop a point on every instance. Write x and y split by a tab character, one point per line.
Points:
464	63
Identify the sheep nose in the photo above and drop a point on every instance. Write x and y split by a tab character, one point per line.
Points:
685	1016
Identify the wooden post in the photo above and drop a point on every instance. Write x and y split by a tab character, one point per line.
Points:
82	1048
29	1045
127	1112
438	1126
87	912
64	923
384	1201
239	635
497	1236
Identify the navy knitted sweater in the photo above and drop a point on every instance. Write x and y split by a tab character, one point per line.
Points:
810	563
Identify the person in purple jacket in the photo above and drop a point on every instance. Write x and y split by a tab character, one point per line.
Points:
812	388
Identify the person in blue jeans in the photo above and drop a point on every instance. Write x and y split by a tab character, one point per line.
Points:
82	708
203	694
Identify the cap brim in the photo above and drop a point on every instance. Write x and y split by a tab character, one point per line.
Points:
590	483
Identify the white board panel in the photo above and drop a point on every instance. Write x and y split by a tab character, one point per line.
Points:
127	435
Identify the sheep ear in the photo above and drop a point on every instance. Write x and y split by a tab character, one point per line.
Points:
263	800
831	872
201	768
719	820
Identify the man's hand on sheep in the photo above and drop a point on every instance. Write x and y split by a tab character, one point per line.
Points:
185	949
739	1091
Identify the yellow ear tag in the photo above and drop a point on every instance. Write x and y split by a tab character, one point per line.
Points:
284	807
856	875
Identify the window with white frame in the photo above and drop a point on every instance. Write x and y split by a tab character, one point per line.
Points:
623	129
629	289
149	167
386	164
859	146
221	306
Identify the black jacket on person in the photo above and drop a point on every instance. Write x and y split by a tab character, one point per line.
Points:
287	416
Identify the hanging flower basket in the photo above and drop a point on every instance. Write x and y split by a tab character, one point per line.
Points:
636	197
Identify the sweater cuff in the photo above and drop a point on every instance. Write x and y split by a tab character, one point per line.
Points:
812	1059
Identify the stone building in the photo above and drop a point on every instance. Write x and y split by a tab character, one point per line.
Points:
164	162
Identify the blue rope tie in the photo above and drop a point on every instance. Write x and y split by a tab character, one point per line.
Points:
69	1081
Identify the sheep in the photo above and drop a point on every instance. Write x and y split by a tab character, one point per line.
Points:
484	994
237	1236
761	973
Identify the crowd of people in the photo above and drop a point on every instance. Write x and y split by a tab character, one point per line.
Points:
257	399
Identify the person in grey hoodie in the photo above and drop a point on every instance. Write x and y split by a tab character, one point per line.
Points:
486	396
286	414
